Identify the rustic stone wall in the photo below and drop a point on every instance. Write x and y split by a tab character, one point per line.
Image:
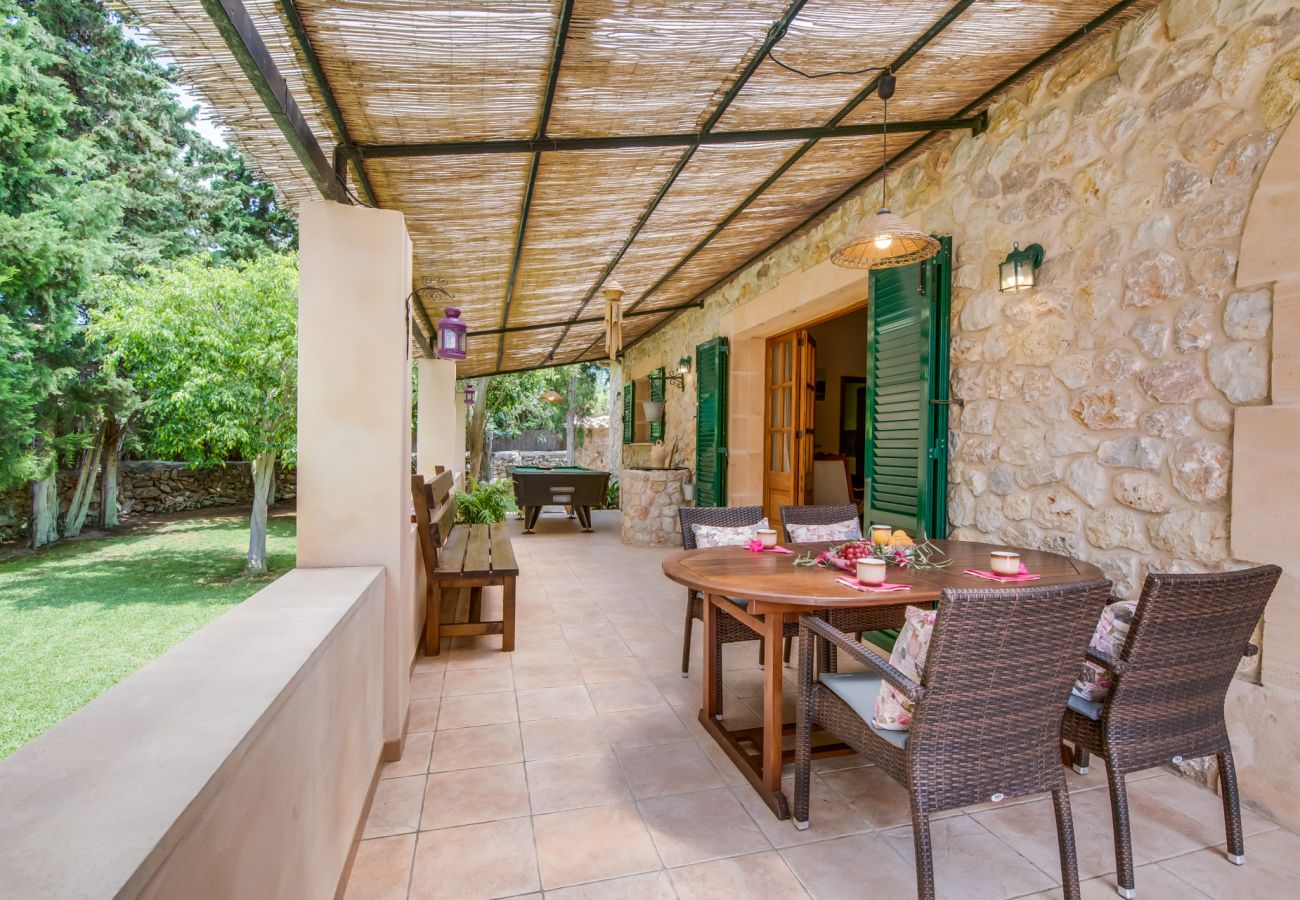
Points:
651	498
1098	407
151	486
502	459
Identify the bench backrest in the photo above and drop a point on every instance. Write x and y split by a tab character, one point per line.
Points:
435	513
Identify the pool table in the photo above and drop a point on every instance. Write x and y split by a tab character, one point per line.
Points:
575	487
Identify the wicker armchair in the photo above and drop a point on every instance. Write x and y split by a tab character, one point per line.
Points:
1000	665
1186	639
729	630
854	621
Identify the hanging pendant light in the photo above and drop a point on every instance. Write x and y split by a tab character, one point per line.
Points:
885	240
613	292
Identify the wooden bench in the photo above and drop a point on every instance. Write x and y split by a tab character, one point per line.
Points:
460	557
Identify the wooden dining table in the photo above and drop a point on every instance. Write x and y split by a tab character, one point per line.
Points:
779	592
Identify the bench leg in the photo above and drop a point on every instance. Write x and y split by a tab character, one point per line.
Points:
432	639
508	615
476	604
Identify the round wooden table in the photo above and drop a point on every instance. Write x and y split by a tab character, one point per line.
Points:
779	591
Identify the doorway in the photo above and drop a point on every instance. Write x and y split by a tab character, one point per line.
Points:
789	422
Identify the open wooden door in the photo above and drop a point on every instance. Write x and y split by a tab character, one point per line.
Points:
788	431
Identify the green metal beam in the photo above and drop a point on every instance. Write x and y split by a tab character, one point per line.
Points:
246	45
290	10
543	119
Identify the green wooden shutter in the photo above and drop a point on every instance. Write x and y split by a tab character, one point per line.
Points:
629	411
711	422
907	390
657	393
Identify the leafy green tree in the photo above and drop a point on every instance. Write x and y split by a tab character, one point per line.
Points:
213	350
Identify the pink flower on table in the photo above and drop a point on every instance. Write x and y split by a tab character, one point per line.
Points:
755	546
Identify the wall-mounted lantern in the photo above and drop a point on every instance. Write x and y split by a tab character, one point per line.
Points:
679	377
684	366
470	392
1019	271
451	335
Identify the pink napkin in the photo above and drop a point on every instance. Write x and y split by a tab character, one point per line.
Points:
757	547
876	589
1023	575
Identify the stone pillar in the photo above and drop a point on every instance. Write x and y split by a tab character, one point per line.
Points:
616	419
354	418
436	437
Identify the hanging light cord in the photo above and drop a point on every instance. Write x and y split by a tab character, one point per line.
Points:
796	70
884	158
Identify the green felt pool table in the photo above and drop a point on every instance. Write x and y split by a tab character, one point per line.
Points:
576	488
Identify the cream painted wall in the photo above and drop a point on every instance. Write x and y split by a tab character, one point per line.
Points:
437	437
354	416
841	351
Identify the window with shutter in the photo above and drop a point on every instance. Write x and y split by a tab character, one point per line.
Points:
907	392
629	411
657	385
711	359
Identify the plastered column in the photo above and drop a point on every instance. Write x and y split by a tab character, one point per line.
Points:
354	417
460	439
436	437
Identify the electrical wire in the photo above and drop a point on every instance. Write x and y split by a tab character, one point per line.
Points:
798	71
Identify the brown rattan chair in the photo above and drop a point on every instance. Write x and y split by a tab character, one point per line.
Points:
854	621
1000	665
1188	634
730	630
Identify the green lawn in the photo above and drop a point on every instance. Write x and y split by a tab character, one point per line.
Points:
79	618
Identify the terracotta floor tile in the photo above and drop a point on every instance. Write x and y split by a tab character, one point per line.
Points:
592	844
597	671
634	728
478	709
1153	881
829	815
423	715
396	807
692	828
970	862
415	757
550	738
634	693
477	657
762	875
880	798
668	769
554	703
570	782
382	869
466	796
650	886
546	674
480	745
489	680
426	684
496	859
850	868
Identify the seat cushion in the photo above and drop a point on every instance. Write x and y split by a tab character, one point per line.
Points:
859	690
848	530
1085	707
725	535
893	710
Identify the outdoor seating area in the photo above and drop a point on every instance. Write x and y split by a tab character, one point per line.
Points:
578	765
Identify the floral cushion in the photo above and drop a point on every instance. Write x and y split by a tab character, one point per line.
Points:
1094	681
893	710
848	530
725	535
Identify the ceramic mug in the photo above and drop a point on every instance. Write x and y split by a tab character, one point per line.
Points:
871	570
767	537
1005	562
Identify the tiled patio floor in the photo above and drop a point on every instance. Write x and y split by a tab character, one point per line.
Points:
575	767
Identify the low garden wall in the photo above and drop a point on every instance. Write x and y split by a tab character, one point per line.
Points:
152	486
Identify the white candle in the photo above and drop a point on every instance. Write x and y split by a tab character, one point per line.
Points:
871	570
1005	562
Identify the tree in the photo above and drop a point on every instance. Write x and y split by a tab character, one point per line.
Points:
213	351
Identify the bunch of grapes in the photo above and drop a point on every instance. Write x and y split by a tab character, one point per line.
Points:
855	550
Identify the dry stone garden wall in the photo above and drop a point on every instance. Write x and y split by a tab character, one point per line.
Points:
151	486
1098	407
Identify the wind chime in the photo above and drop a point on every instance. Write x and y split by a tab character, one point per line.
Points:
613	292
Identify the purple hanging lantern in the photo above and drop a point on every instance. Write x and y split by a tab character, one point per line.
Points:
469	393
451	335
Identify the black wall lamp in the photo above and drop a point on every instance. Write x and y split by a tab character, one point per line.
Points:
1019	271
679	377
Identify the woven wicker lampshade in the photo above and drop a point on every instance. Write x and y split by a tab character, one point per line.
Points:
885	241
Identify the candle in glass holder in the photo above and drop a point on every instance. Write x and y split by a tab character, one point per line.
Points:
871	570
880	534
767	537
1005	562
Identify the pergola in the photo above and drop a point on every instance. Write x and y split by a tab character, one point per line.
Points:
540	148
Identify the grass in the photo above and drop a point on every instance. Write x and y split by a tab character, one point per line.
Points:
80	617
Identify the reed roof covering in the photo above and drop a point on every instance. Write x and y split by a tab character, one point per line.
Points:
524	239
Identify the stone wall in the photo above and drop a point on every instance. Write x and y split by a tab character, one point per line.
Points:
651	498
593	453
1099	407
152	486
